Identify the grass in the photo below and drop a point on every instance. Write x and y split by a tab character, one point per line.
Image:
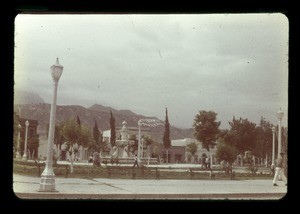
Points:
126	172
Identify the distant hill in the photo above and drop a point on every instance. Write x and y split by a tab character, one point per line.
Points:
41	111
23	97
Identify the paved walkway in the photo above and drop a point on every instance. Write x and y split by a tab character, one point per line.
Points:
26	187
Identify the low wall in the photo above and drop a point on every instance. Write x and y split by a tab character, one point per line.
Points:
129	160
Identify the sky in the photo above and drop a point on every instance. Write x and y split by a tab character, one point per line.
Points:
232	64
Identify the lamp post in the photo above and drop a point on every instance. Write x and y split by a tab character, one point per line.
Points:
18	155
139	143
142	153
273	146
48	177
279	116
25	148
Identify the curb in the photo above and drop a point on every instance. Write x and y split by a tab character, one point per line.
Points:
234	196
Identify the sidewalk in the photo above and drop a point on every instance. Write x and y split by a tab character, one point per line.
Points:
26	187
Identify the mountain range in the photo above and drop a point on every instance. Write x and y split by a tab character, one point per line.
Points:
32	106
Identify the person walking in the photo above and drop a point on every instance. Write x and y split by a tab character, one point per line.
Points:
207	163
279	170
96	159
136	161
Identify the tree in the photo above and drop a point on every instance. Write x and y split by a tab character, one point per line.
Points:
85	136
75	136
97	143
206	128
243	134
166	138
96	132
112	130
192	148
147	140
78	121
134	146
263	145
157	149
71	132
33	145
16	131
226	152
58	137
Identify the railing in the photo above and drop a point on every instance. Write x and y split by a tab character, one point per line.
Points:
41	165
212	172
129	160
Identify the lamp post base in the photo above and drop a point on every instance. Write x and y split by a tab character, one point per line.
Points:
24	158
18	155
47	184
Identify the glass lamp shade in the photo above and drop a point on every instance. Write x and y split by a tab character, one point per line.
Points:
26	123
280	114
273	129
139	123
56	70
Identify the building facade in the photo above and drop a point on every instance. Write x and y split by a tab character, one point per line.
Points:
178	152
32	151
131	131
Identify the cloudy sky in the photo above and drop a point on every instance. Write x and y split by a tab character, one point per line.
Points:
233	64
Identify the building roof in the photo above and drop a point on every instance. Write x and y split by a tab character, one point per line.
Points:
133	128
183	142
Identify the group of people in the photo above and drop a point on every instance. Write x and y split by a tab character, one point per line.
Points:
205	161
96	160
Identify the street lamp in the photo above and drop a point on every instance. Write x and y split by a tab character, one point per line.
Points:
25	148
139	143
48	177
142	147
273	146
18	155
279	116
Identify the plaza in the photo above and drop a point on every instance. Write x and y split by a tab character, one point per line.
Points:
63	160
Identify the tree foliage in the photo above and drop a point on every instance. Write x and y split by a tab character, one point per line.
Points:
226	152
264	139
16	131
73	133
206	128
112	130
192	148
96	132
242	134
58	137
147	140
97	144
33	144
166	138
134	146
78	121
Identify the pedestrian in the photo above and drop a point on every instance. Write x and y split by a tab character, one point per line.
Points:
207	163
279	170
96	159
203	161
136	161
90	159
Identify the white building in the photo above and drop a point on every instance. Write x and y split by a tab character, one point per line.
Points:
131	130
200	151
